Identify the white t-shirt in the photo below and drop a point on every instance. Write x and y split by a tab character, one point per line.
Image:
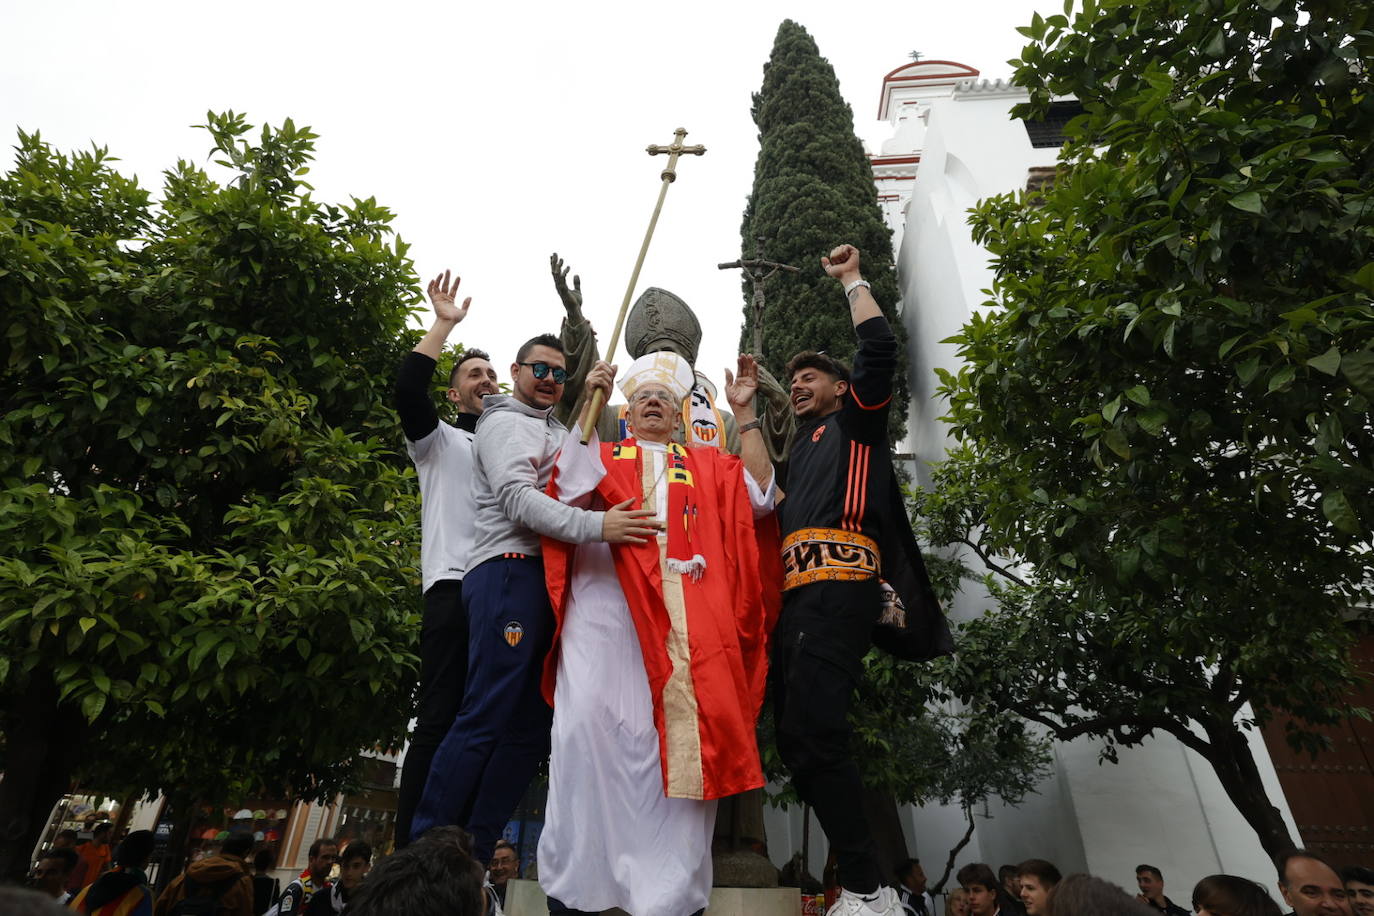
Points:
443	462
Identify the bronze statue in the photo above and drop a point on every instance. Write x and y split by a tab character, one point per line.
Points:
660	320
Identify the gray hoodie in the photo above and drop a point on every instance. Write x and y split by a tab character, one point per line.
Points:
512	459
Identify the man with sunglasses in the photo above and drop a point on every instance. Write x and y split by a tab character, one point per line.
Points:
501	734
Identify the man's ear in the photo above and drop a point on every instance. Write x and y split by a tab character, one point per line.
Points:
514	371
453	395
841	388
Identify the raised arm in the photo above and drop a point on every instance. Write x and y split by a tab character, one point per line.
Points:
414	402
578	338
843	265
740	391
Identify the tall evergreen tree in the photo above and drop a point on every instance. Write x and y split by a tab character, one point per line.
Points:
813	189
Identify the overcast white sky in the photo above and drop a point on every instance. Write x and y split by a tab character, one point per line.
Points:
497	132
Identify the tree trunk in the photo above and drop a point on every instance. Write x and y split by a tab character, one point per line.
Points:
41	742
939	886
173	860
1234	763
885	826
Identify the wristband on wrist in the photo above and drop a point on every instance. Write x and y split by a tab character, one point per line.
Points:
752	424
849	289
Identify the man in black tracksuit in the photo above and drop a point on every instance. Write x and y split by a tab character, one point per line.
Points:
843	524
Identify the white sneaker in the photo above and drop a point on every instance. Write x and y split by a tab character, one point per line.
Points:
882	902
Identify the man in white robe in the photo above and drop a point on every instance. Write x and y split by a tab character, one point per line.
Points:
655	695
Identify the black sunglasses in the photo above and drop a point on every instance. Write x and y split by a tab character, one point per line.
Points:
542	369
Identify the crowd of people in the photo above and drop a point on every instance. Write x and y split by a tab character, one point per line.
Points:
1306	882
438	875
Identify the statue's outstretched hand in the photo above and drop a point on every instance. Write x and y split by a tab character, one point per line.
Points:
572	298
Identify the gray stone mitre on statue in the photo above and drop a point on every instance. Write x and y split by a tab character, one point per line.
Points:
660	320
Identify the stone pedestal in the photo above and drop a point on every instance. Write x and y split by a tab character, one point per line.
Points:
525	898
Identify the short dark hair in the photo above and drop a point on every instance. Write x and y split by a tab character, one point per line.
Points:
1005	872
264	859
1282	859
66	854
1080	894
239	844
356	850
1040	870
978	873
433	876
469	353
68	834
810	359
101	827
904	867
1357	873
321	843
503	844
136	849
1228	895
1151	869
543	340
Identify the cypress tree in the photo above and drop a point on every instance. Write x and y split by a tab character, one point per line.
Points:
813	189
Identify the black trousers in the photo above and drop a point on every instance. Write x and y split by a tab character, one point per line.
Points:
443	673
818	647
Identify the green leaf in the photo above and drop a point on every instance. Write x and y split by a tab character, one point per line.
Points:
1364	276
1338	511
91	705
1281	379
1249	201
1329	362
1152	421
1111	408
1139	394
1116	441
1358	369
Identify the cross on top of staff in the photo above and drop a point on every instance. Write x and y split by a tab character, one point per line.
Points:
674	150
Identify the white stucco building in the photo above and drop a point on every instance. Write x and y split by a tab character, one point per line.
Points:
954	142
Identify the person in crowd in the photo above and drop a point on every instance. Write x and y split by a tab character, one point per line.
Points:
94	856
501	734
1359	889
266	886
296	896
1150	880
123	890
1086	895
22	901
54	871
986	897
354	864
1037	878
433	876
1011	891
911	888
958	902
658	668
505	864
65	839
222	877
843	513
1310	886
1229	895
443	462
